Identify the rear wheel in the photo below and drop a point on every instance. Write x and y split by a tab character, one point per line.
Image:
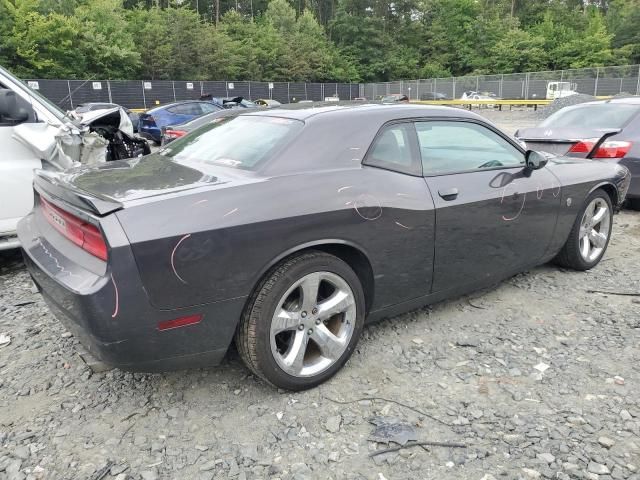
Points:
303	322
590	234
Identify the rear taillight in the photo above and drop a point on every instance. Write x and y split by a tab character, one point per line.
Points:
583	146
85	235
613	149
608	149
173	134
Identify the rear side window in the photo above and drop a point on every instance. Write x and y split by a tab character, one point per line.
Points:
238	142
186	109
454	146
605	115
209	107
393	149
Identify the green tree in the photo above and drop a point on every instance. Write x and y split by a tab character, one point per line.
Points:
623	20
589	47
107	43
518	51
363	39
38	45
448	37
282	16
153	41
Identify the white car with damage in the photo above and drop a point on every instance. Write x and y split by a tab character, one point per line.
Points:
37	134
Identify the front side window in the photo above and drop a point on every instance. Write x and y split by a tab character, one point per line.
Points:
454	146
392	149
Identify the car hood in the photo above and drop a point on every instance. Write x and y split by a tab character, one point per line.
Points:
125	124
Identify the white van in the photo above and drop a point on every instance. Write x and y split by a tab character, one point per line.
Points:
560	89
35	133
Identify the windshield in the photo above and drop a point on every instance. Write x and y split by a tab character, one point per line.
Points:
599	116
53	108
239	142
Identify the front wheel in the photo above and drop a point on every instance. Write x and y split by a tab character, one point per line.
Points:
590	234
303	322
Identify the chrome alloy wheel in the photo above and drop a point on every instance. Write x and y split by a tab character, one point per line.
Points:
313	324
595	228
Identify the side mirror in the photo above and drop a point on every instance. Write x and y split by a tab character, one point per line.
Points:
534	160
12	109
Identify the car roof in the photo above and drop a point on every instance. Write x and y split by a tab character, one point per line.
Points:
87	104
344	110
619	100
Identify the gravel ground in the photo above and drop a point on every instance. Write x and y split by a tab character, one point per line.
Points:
536	378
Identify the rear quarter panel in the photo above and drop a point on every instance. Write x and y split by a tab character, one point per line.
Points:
216	245
579	178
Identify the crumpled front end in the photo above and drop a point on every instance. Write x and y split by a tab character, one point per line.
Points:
95	138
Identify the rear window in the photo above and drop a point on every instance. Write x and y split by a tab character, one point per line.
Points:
238	142
606	115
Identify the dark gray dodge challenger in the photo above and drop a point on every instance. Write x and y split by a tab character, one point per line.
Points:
287	230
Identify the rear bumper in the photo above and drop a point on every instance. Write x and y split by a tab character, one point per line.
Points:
110	313
150	133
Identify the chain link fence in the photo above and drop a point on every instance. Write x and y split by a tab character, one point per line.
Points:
146	94
602	81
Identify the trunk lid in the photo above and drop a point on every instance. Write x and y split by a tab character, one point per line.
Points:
108	187
558	141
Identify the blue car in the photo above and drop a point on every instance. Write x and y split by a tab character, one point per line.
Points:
151	123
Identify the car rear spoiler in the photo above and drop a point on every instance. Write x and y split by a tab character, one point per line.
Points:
563	135
567	135
53	184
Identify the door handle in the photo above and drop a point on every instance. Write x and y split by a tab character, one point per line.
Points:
448	194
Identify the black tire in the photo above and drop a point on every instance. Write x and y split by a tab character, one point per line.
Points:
633	204
253	335
570	256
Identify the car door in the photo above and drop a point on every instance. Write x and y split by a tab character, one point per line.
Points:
493	217
17	162
407	224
